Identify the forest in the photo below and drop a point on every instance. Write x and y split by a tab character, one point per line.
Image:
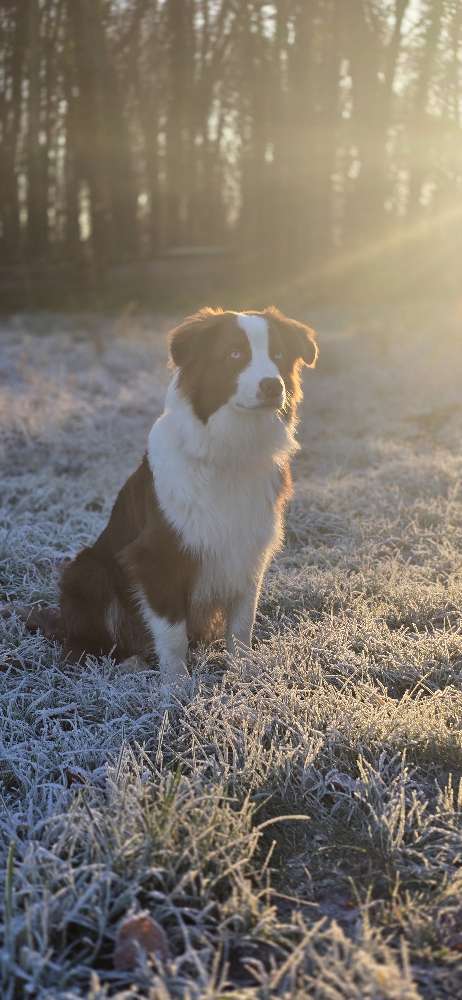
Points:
311	144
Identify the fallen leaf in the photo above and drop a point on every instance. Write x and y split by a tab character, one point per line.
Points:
138	937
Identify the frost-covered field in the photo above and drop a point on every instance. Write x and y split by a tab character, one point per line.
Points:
349	717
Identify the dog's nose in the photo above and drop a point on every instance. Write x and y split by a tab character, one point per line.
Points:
270	389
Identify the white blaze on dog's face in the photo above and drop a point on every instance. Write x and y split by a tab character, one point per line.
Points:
241	362
259	384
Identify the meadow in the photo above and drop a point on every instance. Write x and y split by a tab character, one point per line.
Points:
296	829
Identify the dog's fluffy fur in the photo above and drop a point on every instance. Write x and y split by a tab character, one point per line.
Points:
194	528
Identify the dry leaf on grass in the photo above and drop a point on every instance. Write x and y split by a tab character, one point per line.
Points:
139	936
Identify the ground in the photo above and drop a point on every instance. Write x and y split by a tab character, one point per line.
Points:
348	717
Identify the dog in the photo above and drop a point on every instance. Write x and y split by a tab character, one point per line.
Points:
194	528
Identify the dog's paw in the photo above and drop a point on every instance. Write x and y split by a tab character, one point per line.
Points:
132	665
237	648
179	690
241	658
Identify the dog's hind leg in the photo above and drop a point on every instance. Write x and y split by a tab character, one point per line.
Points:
88	606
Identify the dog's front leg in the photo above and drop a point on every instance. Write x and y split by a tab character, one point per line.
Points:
170	642
241	618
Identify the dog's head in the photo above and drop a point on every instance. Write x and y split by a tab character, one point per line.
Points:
249	361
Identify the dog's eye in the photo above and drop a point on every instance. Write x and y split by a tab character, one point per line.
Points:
236	355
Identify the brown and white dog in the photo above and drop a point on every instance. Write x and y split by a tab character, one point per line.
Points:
194	528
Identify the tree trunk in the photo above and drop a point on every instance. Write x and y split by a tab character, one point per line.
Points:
12	109
418	137
178	137
37	148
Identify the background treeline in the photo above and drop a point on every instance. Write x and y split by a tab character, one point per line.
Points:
317	142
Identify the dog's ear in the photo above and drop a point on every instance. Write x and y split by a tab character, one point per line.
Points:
301	337
186	340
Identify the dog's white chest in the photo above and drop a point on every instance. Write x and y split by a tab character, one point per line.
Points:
225	517
231	528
